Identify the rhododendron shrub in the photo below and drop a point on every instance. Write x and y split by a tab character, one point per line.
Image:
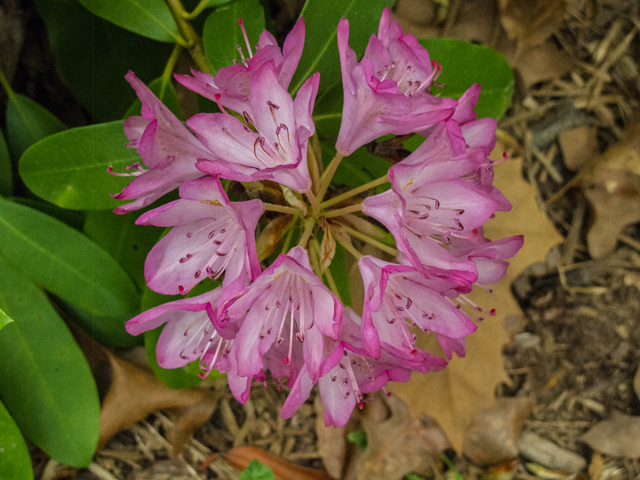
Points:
269	237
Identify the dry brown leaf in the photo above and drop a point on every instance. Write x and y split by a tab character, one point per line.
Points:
269	239
550	455
332	444
491	436
327	247
454	395
579	146
400	444
531	22
636	383
618	435
240	457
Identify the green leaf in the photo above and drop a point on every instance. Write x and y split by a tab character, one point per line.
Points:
127	242
45	381
70	169
165	92
108	331
464	64
321	18
357	169
65	262
14	455
359	437
6	169
73	218
256	471
340	274
94	56
4	320
149	18
28	122
222	33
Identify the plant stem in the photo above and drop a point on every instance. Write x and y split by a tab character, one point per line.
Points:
196	11
314	258
271	207
355	191
309	223
347	246
343	211
5	84
313	201
168	69
289	237
191	39
369	240
325	180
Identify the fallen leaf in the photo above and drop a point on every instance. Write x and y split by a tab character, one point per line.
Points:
579	146
400	444
636	383
129	392
240	457
618	435
173	469
533	21
454	395
491	436
331	442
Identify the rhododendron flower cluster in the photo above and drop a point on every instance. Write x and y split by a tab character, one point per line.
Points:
276	313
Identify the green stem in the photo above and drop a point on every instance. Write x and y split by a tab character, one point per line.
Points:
327	273
325	180
190	38
355	191
347	246
313	201
289	237
314	258
369	240
196	11
343	211
168	69
309	223
5	84
271	207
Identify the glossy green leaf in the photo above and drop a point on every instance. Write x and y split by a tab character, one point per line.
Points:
28	122
45	381
65	262
108	331
127	242
73	218
321	18
149	18
15	462
6	169
357	169
222	33
464	64
165	92
256	471
4	320
70	169
94	56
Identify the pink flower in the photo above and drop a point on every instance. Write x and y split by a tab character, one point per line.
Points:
385	92
231	86
354	373
398	297
166	146
211	235
431	202
286	295
275	147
